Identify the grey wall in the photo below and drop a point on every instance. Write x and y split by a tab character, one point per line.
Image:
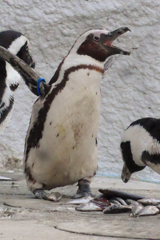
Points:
131	88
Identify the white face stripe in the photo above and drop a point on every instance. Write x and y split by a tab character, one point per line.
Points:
82	38
17	44
13	77
140	141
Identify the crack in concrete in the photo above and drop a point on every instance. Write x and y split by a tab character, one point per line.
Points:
104	235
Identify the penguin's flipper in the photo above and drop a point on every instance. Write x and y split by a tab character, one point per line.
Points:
83	189
41	194
27	73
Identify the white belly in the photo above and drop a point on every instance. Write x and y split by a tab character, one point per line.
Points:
67	151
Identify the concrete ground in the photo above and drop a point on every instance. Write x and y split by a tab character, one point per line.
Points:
22	217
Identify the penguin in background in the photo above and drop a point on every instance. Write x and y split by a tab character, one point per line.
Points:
61	142
140	147
17	44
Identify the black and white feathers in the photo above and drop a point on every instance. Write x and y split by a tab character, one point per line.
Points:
61	143
18	45
140	147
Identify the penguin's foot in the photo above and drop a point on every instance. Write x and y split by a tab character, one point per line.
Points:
41	194
83	189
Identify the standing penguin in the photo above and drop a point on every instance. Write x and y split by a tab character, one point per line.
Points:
17	44
61	143
140	147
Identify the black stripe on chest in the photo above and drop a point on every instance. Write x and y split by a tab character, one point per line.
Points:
56	75
35	133
150	158
6	111
3	76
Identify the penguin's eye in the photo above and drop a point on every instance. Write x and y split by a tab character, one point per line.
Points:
95	38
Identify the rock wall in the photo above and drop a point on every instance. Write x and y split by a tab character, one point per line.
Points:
130	89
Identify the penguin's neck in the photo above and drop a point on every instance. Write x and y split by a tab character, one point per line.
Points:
75	64
75	59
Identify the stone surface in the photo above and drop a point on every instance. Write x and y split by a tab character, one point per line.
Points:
131	88
113	226
24	217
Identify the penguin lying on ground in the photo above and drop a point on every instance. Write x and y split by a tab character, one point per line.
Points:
61	143
17	44
140	147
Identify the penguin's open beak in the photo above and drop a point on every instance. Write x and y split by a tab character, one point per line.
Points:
107	40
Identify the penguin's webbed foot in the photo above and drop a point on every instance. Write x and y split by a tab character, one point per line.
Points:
83	189
41	194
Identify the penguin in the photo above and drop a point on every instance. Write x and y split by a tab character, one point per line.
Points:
140	147
61	142
17	44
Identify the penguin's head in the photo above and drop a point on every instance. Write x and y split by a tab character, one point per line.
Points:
130	164
97	44
17	44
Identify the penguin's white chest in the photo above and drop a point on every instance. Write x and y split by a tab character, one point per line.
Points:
6	107
67	151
